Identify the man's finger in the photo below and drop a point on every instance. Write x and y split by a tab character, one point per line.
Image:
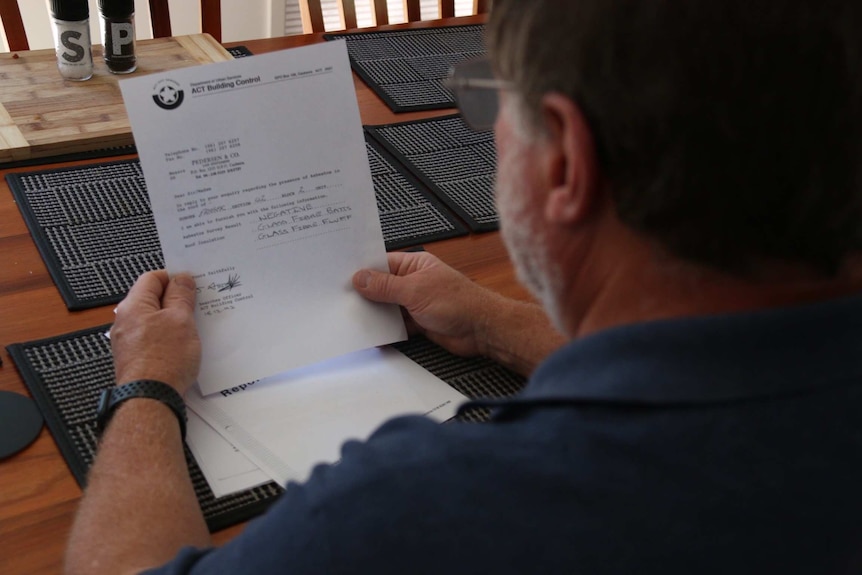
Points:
147	291
180	292
395	260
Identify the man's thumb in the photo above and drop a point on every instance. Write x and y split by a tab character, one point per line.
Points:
374	285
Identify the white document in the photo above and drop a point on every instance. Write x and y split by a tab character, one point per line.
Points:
288	423
224	467
259	182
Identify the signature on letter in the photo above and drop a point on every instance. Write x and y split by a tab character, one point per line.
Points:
232	282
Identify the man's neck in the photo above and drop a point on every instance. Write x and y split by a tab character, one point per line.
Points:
639	283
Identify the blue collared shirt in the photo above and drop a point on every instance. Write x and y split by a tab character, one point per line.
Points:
727	444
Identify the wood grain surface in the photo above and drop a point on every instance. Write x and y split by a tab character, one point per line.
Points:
38	495
43	115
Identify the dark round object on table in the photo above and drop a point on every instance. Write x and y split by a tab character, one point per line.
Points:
20	422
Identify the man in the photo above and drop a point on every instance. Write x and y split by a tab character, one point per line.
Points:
679	185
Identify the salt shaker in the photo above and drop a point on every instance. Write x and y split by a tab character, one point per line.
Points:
71	27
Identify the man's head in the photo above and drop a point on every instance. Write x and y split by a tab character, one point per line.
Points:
729	132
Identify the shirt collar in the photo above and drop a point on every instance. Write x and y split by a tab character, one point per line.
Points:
712	358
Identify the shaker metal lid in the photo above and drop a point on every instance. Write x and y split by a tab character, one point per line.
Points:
70	10
117	8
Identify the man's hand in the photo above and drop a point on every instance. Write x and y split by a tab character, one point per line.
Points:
460	315
140	508
154	335
440	302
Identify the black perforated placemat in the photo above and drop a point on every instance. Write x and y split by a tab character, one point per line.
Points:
66	374
94	226
409	212
240	51
406	68
454	161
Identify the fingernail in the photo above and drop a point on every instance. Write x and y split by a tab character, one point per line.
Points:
186	281
362	279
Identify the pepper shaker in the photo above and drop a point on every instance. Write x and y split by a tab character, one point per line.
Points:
118	28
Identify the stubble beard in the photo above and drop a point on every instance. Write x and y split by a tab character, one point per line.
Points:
522	232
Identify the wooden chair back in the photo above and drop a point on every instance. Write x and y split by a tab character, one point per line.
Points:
13	25
160	15
312	12
16	35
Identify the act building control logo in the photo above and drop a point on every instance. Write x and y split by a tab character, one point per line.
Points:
167	94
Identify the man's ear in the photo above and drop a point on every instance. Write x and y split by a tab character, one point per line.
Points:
569	164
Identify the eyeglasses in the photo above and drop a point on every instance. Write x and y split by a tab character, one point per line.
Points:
476	92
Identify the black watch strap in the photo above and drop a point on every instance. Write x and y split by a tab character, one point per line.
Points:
148	388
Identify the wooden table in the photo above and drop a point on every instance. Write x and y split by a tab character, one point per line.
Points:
38	495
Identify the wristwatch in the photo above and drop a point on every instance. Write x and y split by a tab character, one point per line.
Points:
148	388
